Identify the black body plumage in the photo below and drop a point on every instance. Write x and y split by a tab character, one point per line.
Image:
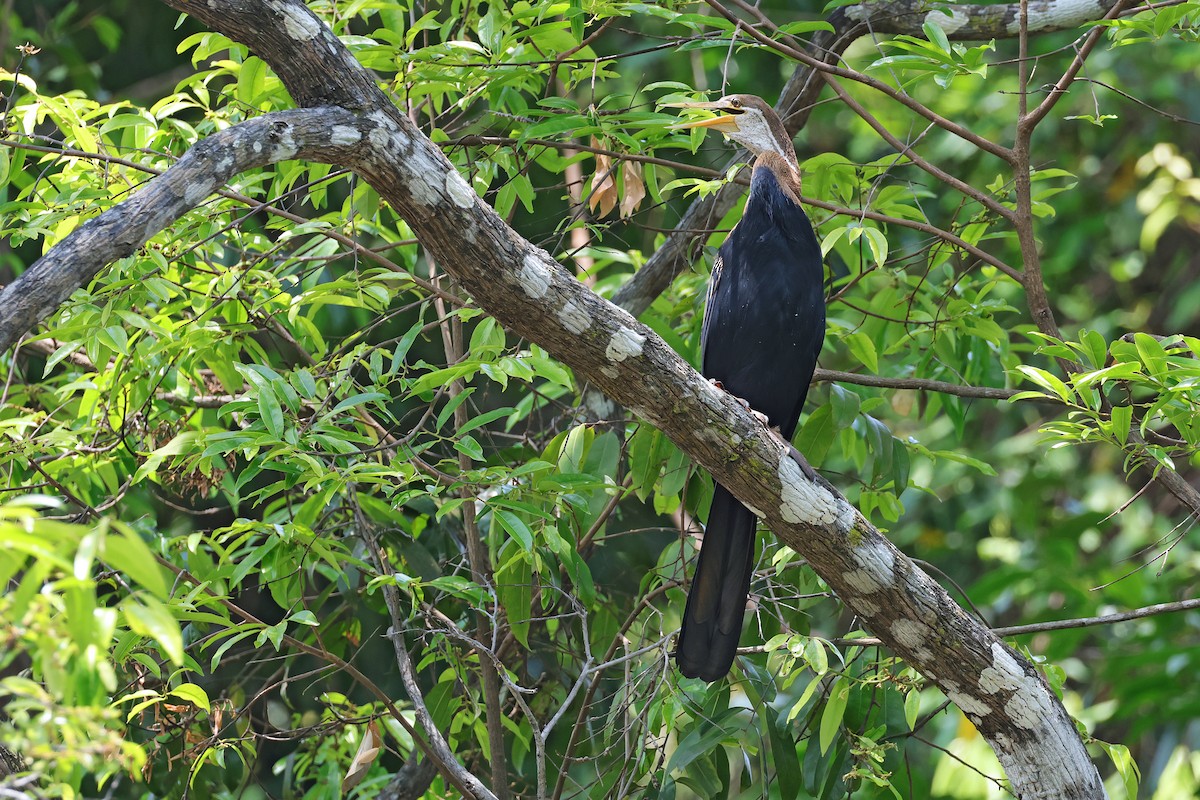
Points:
764	324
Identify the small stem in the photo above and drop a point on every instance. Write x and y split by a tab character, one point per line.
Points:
452	342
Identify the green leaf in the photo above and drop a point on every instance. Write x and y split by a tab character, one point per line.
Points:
1151	353
304	617
271	412
912	707
470	447
788	775
177	446
817	435
815	656
149	617
574	449
251	78
1047	381
900	467
514	589
1126	767
835	710
358	400
845	405
805	26
1096	348
878	243
936	35
129	554
706	736
863	349
1122	417
191	693
515	527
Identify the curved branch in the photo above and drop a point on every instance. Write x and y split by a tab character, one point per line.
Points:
532	295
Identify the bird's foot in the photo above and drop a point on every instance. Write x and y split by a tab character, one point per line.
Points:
758	415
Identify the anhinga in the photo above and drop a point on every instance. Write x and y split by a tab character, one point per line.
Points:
764	323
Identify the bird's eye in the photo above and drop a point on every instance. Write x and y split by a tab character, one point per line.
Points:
736	106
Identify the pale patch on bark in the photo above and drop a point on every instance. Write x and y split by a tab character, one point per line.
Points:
910	633
877	568
865	607
534	277
344	135
806	502
964	701
948	22
1005	674
1029	705
285	145
297	25
574	318
385	135
425	172
625	344
1058	14
459	191
861	581
192	195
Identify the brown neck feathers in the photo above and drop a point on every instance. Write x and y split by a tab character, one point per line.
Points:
787	172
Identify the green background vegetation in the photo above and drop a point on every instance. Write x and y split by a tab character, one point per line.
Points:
198	480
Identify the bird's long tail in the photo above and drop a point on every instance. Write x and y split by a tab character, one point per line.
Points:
716	604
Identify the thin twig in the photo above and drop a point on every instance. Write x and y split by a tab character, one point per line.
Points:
866	80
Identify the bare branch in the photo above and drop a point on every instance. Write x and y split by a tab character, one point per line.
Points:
921	384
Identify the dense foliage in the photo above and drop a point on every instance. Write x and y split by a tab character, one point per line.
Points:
247	464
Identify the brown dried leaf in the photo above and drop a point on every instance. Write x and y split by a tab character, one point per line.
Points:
604	187
635	188
368	750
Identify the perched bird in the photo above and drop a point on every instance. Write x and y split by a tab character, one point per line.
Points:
764	323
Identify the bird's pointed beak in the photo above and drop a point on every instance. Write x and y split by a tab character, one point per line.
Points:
726	120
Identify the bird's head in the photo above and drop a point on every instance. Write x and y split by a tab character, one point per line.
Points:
747	120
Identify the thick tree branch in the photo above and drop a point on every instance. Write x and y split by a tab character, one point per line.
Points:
535	297
969	22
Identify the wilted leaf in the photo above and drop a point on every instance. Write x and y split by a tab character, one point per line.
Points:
604	188
635	188
368	751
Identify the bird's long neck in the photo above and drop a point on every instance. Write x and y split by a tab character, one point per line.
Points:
786	170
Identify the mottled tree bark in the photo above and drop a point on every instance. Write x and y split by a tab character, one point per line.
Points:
536	298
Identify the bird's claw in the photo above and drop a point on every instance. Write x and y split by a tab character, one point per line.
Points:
795	454
801	461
